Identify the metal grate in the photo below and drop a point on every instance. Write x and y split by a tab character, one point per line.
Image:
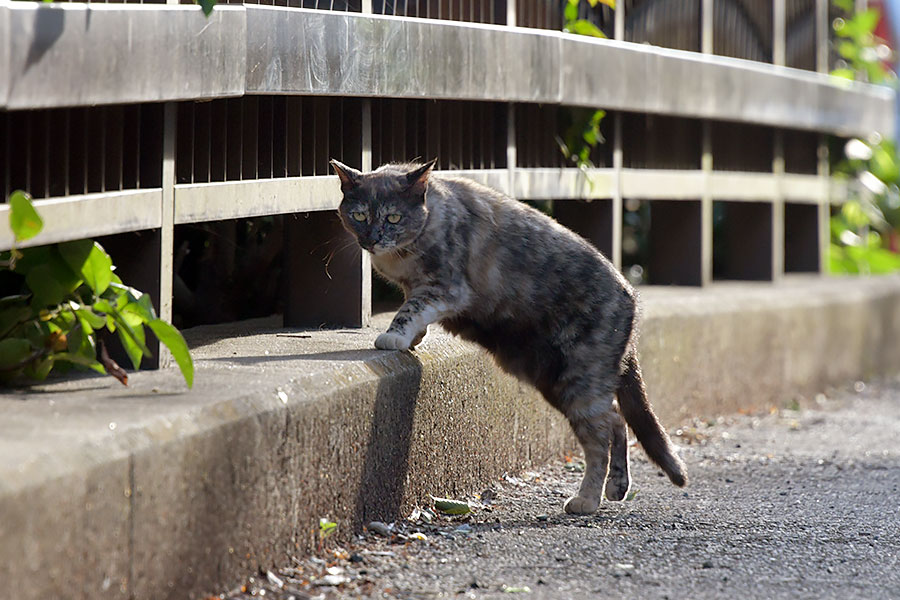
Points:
109	1
660	142
461	134
470	11
743	29
801	152
544	14
340	5
70	151
742	147
800	42
261	137
541	128
668	23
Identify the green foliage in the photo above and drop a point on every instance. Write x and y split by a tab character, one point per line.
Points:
578	26
582	134
206	5
863	54
864	233
57	298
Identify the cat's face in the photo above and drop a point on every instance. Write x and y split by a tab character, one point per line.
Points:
384	209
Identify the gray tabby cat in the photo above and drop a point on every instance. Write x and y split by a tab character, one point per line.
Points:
549	307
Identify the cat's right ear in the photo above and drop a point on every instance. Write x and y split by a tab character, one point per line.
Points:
417	179
348	175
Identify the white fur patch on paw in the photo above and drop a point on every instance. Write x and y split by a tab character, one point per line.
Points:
391	341
577	505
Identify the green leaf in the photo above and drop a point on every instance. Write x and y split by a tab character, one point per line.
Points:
584	27
75	254
97	269
92	318
206	5
174	341
102	305
142	307
131	333
13	351
844	74
571	12
451	507
848	50
12	317
326	527
24	220
45	286
78	359
39	369
845	5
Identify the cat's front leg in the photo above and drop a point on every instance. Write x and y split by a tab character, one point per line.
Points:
411	323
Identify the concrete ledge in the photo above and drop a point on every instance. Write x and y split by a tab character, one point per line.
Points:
152	492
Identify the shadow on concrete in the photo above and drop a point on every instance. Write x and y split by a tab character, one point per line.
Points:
386	461
334	355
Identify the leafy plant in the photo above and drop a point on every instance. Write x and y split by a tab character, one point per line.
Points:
56	299
864	236
572	24
863	54
582	133
206	5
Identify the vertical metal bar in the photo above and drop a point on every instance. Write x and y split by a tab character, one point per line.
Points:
706	160
511	17
822	32
779	37
824	203
617	200
778	207
67	165
619	24
511	139
706	35
167	231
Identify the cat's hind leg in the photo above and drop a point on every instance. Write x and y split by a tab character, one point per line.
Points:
619	478
594	423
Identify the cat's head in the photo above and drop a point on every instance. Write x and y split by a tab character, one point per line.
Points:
384	209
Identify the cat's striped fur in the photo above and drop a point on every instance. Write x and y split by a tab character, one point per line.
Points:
550	308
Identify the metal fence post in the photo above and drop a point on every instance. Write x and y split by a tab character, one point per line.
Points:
779	58
706	160
823	27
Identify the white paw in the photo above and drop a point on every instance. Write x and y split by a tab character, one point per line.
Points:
391	341
577	505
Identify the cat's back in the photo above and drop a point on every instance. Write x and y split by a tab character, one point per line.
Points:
515	250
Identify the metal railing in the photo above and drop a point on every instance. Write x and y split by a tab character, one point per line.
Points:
150	119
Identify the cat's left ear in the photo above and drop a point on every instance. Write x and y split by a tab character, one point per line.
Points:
417	179
348	175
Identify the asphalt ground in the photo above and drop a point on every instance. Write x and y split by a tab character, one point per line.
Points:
795	502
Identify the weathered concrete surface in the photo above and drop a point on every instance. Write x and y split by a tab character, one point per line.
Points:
153	492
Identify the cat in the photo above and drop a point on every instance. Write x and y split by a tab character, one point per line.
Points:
548	306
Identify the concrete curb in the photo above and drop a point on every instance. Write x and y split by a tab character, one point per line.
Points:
153	492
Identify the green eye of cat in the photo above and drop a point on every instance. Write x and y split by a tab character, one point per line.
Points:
358	216
393	219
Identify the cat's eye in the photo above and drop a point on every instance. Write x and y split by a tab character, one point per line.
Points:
358	216
394	218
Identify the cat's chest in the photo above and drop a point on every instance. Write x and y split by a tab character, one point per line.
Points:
404	270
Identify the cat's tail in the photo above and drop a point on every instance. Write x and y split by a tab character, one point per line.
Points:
636	409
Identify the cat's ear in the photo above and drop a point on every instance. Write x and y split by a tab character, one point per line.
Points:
349	176
417	179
